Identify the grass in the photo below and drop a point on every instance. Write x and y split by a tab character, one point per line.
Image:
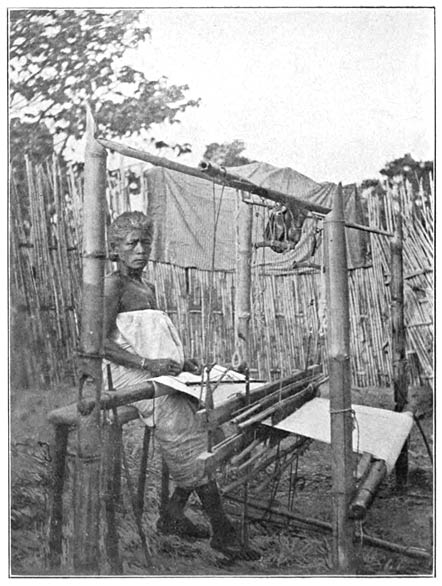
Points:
287	549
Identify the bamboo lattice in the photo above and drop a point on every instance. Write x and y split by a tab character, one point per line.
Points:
287	327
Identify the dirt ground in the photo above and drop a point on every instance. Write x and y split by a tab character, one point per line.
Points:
288	548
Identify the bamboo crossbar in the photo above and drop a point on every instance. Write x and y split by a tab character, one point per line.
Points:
324	526
279	408
367	490
152	159
228	412
210	172
238	182
233	181
277	395
221	176
123	397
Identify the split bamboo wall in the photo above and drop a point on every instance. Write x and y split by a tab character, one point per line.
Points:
288	324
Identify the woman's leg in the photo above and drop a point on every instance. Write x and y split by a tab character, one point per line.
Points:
225	537
173	520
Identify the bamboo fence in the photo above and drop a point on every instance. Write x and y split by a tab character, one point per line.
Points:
287	325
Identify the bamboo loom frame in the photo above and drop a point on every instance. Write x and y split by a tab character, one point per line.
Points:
340	377
338	364
341	421
88	456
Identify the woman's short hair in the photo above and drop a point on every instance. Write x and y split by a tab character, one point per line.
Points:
125	223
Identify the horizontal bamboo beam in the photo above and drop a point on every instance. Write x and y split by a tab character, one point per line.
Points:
367	490
414	552
238	182
219	415
281	409
233	181
148	158
220	175
368	229
423	271
211	172
69	414
276	396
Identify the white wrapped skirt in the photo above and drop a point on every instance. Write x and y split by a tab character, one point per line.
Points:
151	334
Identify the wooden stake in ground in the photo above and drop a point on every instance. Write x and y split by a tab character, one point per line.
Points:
87	464
340	384
398	331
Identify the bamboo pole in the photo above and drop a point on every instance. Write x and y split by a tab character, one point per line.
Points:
216	174
87	473
281	511
398	331
220	175
111	484
59	445
243	284
367	490
165	488
143	471
340	385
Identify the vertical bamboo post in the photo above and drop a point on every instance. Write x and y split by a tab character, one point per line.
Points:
59	448
143	471
110	482
243	283
400	385
165	488
340	384
244	219
87	465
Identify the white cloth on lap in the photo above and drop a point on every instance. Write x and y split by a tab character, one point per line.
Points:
150	334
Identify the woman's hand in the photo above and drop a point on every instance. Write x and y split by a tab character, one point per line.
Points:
162	366
192	365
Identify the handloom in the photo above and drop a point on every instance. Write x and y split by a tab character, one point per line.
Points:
251	419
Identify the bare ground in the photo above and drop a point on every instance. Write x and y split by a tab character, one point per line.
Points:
403	517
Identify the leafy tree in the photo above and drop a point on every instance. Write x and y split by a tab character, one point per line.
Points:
59	58
227	154
417	172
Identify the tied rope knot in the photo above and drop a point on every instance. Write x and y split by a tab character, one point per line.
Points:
355	423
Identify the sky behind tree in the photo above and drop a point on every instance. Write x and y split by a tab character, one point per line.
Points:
332	93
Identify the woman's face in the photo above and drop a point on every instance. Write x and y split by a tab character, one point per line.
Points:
134	249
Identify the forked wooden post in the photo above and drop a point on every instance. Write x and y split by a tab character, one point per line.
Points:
243	281
341	423
87	464
400	386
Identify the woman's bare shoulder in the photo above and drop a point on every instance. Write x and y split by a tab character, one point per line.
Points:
113	284
148	283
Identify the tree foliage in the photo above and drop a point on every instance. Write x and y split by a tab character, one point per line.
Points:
59	58
227	154
416	172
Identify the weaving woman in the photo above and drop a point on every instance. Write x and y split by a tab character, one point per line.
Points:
141	343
